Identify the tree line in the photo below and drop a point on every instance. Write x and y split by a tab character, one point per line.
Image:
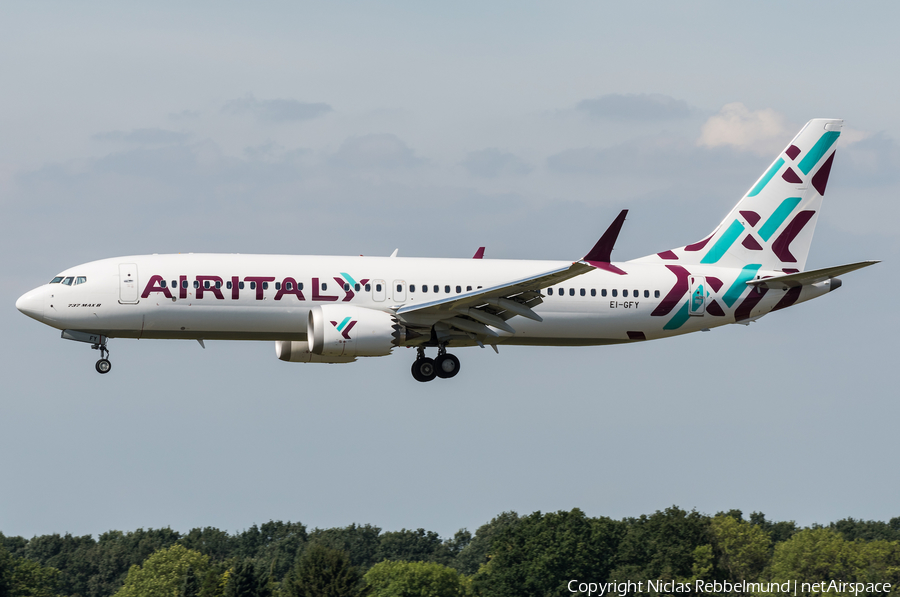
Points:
512	555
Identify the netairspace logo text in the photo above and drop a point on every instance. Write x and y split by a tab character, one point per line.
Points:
701	586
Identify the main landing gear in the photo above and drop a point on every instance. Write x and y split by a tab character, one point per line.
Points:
103	365
444	366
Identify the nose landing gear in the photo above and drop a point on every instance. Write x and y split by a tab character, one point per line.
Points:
444	366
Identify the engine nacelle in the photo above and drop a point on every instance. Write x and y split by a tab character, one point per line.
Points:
298	352
347	331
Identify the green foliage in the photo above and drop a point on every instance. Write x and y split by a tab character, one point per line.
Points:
210	541
30	579
191	585
163	573
324	572
6	571
475	553
743	548
823	554
360	542
413	546
541	552
661	546
415	579
867	530
778	531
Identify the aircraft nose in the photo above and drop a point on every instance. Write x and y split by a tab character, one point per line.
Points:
32	304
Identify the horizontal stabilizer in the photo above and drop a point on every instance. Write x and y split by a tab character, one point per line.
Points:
806	278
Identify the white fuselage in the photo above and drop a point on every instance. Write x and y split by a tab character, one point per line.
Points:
268	297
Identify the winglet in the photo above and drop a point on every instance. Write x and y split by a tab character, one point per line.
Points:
479	254
600	255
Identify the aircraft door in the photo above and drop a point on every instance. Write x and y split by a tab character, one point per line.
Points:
699	293
128	283
379	290
399	290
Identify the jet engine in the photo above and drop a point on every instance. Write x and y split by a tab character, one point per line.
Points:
347	331
298	352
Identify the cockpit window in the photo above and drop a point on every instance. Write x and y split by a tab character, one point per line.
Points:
80	280
56	280
68	281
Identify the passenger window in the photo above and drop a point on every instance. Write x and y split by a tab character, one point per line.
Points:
603	292
277	285
468	289
68	281
636	294
184	284
447	288
218	284
228	285
593	292
656	294
56	280
252	285
615	292
368	287
436	288
562	291
458	289
550	291
582	292
377	287
196	284
356	287
324	286
80	280
206	284
174	284
346	287
424	287
300	286
625	293
646	294
412	287
266	285
571	292
399	287
240	285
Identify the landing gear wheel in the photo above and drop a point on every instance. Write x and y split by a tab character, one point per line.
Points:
423	369
103	366
446	365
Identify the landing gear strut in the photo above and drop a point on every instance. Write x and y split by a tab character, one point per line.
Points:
444	366
103	365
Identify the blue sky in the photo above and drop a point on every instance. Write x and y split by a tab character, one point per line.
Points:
524	127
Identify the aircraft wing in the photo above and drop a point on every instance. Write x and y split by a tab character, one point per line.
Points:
473	312
811	277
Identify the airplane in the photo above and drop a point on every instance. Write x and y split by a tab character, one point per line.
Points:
333	309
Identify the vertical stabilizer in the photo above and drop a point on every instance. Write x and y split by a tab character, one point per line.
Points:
773	224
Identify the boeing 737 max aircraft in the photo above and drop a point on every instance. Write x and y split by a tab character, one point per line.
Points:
325	309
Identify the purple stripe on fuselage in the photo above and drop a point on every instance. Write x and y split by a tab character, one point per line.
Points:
674	296
745	308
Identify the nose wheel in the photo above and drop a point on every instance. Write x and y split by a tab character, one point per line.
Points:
103	365
444	366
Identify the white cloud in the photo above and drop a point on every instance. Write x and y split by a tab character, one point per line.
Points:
763	132
490	163
381	150
631	106
277	110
